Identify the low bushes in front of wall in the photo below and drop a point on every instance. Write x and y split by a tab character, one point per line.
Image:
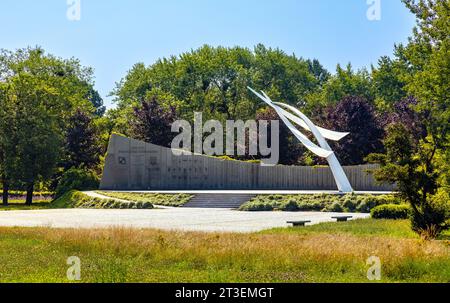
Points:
323	202
77	199
173	200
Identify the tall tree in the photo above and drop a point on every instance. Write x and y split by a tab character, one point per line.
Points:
346	82
7	141
214	80
94	97
82	143
404	112
356	116
43	92
388	83
152	123
418	170
319	72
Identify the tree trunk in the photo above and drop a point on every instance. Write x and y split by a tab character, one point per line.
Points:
30	189
5	192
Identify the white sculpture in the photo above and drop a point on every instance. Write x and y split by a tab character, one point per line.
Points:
324	150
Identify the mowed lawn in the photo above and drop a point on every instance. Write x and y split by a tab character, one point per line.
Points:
328	252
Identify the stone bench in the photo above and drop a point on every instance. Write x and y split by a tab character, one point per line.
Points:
298	223
342	218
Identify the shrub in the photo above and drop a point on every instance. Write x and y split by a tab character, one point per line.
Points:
290	205
77	179
147	205
430	219
350	204
309	206
322	202
336	207
391	211
365	206
257	206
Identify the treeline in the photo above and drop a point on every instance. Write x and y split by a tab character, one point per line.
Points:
214	81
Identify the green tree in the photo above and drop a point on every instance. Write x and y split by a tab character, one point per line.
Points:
82	143
214	80
418	169
43	91
152	123
7	141
389	88
285	77
94	97
319	72
344	83
412	169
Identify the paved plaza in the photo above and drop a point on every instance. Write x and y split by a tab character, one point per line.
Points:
184	219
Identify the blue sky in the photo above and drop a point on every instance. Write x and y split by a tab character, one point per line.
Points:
112	35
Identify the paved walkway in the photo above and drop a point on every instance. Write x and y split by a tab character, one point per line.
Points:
186	219
251	192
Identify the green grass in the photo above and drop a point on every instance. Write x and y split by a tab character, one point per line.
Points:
322	253
362	227
389	228
174	200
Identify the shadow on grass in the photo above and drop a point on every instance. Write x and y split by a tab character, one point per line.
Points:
20	205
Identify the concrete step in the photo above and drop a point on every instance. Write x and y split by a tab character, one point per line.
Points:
218	200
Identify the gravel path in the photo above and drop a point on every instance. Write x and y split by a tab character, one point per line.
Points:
186	219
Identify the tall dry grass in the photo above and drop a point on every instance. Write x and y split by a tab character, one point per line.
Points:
130	255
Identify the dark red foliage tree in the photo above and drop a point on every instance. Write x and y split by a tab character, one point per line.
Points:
152	123
356	116
83	147
291	150
405	114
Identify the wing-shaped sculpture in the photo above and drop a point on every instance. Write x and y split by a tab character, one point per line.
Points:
324	150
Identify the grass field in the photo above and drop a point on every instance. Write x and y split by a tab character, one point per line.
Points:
321	253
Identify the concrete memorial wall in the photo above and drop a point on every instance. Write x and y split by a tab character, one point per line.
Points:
136	165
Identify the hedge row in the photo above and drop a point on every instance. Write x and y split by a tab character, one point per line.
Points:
325	203
391	211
